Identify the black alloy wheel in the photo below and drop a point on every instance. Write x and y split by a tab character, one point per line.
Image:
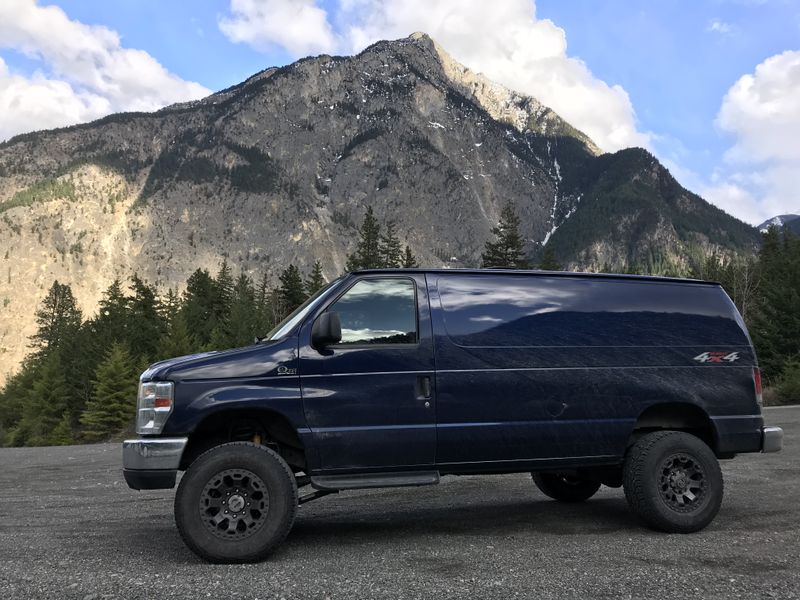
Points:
682	483
234	504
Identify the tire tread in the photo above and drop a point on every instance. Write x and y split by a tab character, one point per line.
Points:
277	539
635	474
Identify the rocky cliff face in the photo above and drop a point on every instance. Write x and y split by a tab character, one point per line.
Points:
280	169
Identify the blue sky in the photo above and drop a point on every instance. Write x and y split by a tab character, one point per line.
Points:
629	73
674	66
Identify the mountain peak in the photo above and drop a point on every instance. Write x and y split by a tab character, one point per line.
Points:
523	112
420	35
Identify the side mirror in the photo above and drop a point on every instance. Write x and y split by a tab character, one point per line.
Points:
327	330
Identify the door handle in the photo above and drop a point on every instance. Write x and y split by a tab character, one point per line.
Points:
423	387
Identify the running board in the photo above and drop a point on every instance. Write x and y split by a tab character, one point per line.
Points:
374	480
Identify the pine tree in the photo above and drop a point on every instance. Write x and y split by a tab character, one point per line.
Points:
62	434
109	325
368	253
146	324
223	295
277	306
45	406
58	318
292	293
409	260
113	405
111	321
391	252
79	358
315	281
220	340
177	341
243	315
61	333
14	396
549	262
508	249
265	319
198	306
170	307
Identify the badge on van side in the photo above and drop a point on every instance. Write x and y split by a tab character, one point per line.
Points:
717	357
286	371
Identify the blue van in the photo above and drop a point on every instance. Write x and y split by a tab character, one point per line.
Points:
398	377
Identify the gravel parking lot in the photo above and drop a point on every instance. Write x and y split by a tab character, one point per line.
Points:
70	527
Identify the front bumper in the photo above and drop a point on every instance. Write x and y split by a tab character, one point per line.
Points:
771	439
152	463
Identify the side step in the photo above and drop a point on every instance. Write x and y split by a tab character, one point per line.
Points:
374	480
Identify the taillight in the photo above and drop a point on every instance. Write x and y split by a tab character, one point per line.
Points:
757	382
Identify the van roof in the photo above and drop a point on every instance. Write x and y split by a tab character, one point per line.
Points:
541	273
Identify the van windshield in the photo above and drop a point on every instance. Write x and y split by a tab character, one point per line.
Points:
298	314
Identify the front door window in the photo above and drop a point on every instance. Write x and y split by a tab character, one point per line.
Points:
378	311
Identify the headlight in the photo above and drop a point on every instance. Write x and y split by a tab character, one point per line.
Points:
154	405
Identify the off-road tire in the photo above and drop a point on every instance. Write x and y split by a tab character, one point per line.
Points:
565	488
261	471
651	467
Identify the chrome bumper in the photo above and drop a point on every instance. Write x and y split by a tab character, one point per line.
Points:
771	439
153	454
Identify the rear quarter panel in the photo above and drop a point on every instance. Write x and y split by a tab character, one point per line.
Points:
538	368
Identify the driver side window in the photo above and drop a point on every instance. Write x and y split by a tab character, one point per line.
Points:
378	311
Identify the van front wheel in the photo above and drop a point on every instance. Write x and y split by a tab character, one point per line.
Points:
673	482
236	503
565	487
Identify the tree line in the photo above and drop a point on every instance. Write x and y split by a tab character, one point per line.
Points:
79	381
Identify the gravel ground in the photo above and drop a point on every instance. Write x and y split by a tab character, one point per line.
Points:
71	528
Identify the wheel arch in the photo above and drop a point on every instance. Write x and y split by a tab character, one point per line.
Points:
678	416
263	426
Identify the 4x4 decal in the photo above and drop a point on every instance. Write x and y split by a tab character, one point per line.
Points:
717	357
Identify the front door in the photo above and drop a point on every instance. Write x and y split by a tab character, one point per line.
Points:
369	400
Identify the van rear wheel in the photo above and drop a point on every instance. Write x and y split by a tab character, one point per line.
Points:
565	488
673	482
236	503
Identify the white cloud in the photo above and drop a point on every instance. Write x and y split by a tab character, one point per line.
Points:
299	26
504	40
29	103
719	26
762	110
735	200
86	73
761	174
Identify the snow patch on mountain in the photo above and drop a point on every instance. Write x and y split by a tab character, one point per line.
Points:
779	221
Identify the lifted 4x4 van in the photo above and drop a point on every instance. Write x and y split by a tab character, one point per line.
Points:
397	377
